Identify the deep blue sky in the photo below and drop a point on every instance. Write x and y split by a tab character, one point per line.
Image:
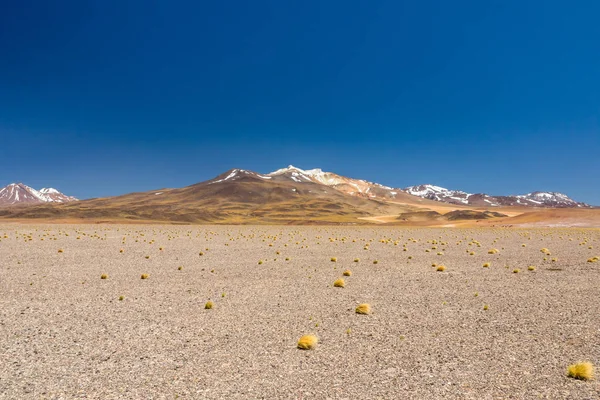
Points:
106	97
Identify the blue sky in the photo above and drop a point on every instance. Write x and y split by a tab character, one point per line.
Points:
101	98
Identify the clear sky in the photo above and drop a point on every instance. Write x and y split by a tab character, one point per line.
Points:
108	97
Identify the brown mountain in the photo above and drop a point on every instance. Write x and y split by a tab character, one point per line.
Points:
237	196
289	195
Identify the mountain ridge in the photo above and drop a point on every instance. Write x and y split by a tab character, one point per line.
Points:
21	194
286	185
459	197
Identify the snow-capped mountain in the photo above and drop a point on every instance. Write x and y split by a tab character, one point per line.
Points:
55	196
535	199
18	193
354	187
554	199
438	193
372	190
236	174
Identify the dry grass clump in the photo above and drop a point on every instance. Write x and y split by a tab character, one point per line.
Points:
493	251
347	272
121	298
208	305
531	268
593	259
339	283
144	276
333	259
363	309
516	271
60	250
441	268
486	265
356	259
581	370
375	261
485	307
103	276
308	342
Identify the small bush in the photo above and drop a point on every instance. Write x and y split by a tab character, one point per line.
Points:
440	268
363	309
144	276
103	276
308	342
486	265
333	259
516	271
581	370
347	272
339	283
531	268
208	305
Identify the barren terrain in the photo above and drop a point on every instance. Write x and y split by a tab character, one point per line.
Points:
65	332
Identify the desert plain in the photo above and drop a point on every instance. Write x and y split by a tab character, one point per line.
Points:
77	321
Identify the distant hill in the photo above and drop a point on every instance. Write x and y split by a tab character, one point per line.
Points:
287	196
19	194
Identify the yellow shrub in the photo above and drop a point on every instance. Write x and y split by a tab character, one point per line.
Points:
363	309
581	370
308	342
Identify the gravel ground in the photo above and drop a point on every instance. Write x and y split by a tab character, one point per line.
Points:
64	333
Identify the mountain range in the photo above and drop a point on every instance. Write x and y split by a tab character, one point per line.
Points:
535	199
18	193
287	195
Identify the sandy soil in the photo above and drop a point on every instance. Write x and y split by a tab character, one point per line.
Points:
64	333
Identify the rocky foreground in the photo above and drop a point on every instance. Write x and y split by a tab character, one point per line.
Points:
77	320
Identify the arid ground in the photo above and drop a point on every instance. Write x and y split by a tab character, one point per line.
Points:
469	332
